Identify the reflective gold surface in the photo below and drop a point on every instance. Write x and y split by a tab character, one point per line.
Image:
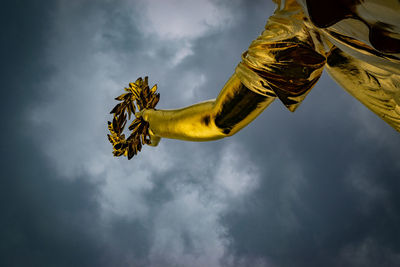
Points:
376	88
358	41
234	108
286	60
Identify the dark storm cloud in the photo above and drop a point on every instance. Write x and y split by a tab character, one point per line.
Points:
315	188
41	217
45	220
228	44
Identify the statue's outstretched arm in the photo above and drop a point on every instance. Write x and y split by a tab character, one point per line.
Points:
235	107
285	61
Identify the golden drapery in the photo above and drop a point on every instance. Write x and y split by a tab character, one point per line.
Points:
360	40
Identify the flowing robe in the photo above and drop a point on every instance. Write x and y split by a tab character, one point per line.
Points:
357	41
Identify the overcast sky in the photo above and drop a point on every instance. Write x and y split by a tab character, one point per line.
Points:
318	187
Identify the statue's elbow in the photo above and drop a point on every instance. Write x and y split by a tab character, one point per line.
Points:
228	132
224	129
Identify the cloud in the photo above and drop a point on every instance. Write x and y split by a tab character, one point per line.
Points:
176	209
179	19
187	226
368	253
318	187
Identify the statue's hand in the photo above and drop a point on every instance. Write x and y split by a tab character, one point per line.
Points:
145	115
154	139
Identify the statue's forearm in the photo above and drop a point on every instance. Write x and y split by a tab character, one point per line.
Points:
235	107
188	123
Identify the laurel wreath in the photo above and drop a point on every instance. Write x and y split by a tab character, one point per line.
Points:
145	98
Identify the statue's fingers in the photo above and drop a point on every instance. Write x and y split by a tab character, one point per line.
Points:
139	114
154	140
143	114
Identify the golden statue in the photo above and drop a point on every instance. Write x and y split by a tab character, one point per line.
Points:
357	41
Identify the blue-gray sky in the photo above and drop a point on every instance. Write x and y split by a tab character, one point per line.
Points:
318	187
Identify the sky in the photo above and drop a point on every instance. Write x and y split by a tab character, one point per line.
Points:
317	187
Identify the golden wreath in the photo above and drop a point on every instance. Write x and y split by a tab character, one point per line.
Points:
145	98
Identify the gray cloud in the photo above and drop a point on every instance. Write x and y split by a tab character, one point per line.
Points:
317	187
